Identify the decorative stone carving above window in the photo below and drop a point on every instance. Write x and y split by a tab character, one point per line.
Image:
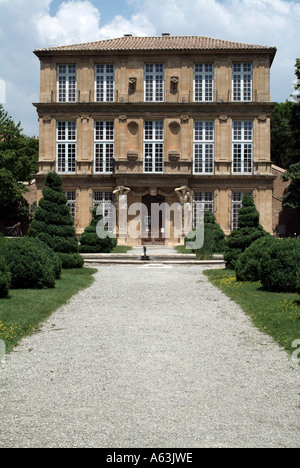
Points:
223	118
133	128
132	83
174	83
47	119
85	118
174	127
174	156
185	119
132	156
123	118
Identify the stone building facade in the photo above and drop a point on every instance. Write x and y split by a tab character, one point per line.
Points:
145	120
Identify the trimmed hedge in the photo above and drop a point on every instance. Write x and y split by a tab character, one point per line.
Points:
5	278
279	266
247	264
32	264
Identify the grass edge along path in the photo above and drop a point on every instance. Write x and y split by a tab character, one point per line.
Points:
276	314
26	309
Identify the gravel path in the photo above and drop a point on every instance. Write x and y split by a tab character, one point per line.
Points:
149	357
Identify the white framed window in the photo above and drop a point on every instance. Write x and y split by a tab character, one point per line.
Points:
105	200
105	83
236	205
203	201
242	79
154	82
204	148
66	83
154	146
71	203
104	147
203	82
242	147
66	147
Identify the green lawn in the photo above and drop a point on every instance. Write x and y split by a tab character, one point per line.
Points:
24	310
121	249
277	314
183	250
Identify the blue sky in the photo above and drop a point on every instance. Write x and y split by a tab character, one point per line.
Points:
29	24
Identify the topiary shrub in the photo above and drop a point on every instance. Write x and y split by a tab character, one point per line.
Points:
214	238
71	261
53	223
246	267
91	243
279	266
249	230
31	264
5	278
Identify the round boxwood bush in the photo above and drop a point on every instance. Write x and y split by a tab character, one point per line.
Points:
279	266
90	242
53	223
246	267
5	278
31	264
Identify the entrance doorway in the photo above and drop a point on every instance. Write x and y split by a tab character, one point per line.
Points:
153	222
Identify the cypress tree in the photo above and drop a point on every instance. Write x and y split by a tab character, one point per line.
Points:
53	223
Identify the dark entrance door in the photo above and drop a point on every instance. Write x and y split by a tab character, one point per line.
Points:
153	220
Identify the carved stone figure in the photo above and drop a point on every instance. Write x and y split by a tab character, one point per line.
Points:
120	190
184	194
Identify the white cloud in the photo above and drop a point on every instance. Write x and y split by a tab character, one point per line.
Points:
75	22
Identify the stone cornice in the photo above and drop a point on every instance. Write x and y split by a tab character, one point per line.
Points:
216	109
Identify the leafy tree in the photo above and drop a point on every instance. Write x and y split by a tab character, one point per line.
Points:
53	223
18	162
91	243
292	196
282	137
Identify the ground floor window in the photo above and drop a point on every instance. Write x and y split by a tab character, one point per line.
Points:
105	200
71	203
202	201
236	205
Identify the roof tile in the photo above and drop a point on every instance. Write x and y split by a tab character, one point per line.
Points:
155	43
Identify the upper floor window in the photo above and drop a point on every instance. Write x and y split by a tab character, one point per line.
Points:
203	147
203	82
154	146
66	147
66	83
242	82
104	147
242	162
154	83
105	83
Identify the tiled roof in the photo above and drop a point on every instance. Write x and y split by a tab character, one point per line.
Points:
164	42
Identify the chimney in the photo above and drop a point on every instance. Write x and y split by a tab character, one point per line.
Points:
166	34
